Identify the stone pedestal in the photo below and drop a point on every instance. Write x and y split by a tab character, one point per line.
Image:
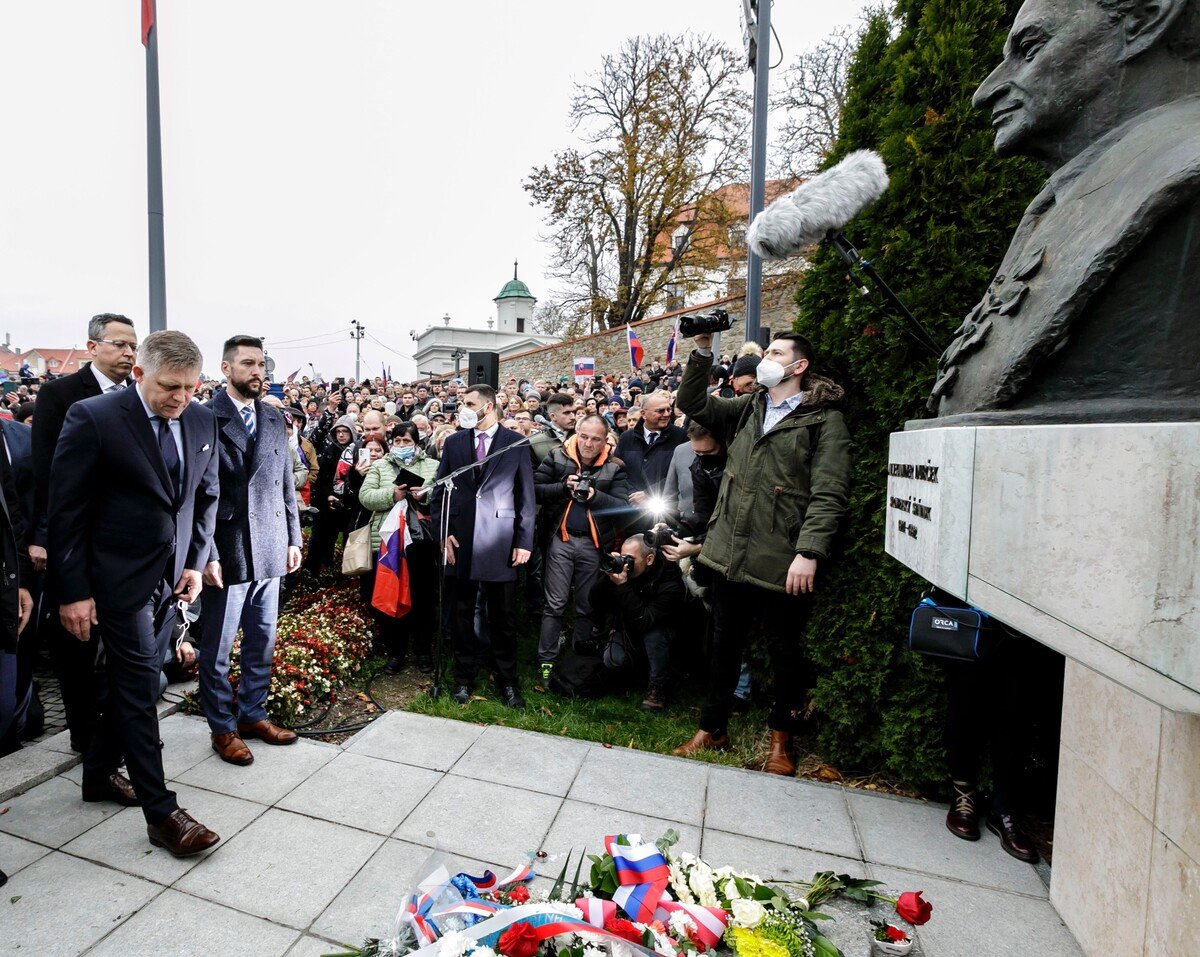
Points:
1085	537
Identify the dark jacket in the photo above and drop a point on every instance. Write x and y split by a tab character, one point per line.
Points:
651	601
648	467
543	443
117	528
16	569
606	508
785	491
19	439
256	517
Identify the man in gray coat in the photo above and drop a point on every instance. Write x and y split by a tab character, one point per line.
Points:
257	542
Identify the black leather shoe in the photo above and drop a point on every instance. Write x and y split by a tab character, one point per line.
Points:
1015	841
963	819
115	788
511	696
462	694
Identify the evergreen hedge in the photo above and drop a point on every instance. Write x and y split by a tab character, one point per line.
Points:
937	236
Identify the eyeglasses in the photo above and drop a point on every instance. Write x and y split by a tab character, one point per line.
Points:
119	344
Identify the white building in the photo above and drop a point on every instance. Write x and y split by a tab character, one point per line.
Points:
443	349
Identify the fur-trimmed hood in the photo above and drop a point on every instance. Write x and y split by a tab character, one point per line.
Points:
821	392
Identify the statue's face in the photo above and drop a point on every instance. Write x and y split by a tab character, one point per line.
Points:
1061	58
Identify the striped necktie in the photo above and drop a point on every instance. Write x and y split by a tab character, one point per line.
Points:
248	418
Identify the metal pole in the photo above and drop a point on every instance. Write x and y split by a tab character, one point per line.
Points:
758	163
357	332
154	188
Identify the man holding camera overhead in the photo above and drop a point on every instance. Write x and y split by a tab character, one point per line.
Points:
786	484
581	488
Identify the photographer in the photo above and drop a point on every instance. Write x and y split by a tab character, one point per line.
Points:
786	484
580	489
646	595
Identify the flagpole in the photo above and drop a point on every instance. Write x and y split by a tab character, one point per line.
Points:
154	188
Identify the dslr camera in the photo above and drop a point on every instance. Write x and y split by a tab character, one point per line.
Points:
716	321
661	535
582	488
615	564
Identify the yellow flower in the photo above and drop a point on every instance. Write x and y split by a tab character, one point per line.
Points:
748	943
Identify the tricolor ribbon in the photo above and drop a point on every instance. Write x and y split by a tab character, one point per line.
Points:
416	909
489	881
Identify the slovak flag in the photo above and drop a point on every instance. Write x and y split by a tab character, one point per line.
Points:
292	377
671	343
393	594
636	352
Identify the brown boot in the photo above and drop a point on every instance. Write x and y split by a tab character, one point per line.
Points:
231	748
779	761
701	740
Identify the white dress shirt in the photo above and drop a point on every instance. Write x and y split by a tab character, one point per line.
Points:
775	413
172	424
106	384
487	443
239	405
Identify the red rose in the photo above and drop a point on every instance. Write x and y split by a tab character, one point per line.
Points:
624	929
520	940
519	894
913	908
895	934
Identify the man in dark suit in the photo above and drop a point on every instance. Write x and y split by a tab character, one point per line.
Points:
133	507
112	345
16	601
257	542
17	458
647	451
490	518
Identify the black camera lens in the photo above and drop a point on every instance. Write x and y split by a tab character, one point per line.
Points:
716	321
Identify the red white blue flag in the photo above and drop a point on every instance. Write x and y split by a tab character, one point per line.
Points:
636	352
147	20
585	369
671	343
393	593
292	377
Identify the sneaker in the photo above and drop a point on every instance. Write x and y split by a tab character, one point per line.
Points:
547	671
655	699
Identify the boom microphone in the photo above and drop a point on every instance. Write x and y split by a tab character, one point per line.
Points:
826	202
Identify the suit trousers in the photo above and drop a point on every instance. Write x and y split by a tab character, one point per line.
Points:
469	652
571	570
134	649
736	607
254	608
83	688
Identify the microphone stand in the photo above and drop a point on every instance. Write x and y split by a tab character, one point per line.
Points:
856	261
446	486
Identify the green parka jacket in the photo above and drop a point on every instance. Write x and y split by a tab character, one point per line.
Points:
377	494
784	491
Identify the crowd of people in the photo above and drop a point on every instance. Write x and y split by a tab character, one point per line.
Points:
642	525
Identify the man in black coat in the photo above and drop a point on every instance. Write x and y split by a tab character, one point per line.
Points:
16	601
133	506
257	542
647	451
112	345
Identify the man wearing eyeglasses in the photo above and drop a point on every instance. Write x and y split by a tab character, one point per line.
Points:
112	344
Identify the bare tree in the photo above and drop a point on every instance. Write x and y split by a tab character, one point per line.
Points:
812	96
561	319
663	124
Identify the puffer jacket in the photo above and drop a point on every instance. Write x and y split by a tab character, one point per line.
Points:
784	491
606	509
377	494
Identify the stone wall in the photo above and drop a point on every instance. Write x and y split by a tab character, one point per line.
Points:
611	352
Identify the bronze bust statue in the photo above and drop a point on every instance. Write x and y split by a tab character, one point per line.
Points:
1094	315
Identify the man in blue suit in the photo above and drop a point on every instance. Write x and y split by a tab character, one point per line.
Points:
257	542
490	516
132	509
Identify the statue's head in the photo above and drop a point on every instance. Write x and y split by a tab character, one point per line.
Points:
1074	69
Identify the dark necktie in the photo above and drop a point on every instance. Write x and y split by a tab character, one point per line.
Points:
653	438
248	418
170	454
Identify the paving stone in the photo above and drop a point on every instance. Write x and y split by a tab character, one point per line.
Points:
582	827
367	793
783	810
275	771
16	853
971	921
308	946
482	820
66	905
121	841
669	788
908	834
53	813
29	767
185	926
368	905
771	861
186	742
523	759
60	742
416	739
283	866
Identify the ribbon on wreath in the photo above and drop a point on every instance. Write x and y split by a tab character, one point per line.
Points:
416	913
489	881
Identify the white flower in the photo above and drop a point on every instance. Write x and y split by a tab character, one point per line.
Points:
731	890
454	944
748	913
562	907
483	952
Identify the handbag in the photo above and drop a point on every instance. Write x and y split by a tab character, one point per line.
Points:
960	633
357	556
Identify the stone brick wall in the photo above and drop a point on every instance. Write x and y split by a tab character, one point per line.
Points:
611	352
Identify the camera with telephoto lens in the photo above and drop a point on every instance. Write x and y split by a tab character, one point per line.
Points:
661	535
582	488
716	321
615	564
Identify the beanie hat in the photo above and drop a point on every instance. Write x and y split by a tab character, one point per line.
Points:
746	365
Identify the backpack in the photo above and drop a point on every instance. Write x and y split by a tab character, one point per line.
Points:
580	676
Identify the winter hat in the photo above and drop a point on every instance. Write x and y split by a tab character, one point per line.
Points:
746	365
347	422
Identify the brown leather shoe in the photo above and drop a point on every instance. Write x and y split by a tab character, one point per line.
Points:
963	817
231	748
265	731
779	760
1015	841
115	788
701	740
182	834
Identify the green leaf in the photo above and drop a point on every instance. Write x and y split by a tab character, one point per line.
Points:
556	890
575	880
13	900
824	947
667	841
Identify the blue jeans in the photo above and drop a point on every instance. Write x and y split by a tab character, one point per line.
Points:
254	607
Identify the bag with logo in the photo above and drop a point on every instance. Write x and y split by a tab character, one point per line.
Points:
958	632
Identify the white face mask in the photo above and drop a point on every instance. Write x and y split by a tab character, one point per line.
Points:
468	418
770	373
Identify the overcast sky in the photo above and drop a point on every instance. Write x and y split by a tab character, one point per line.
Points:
323	161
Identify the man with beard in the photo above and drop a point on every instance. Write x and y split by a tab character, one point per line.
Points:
256	543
